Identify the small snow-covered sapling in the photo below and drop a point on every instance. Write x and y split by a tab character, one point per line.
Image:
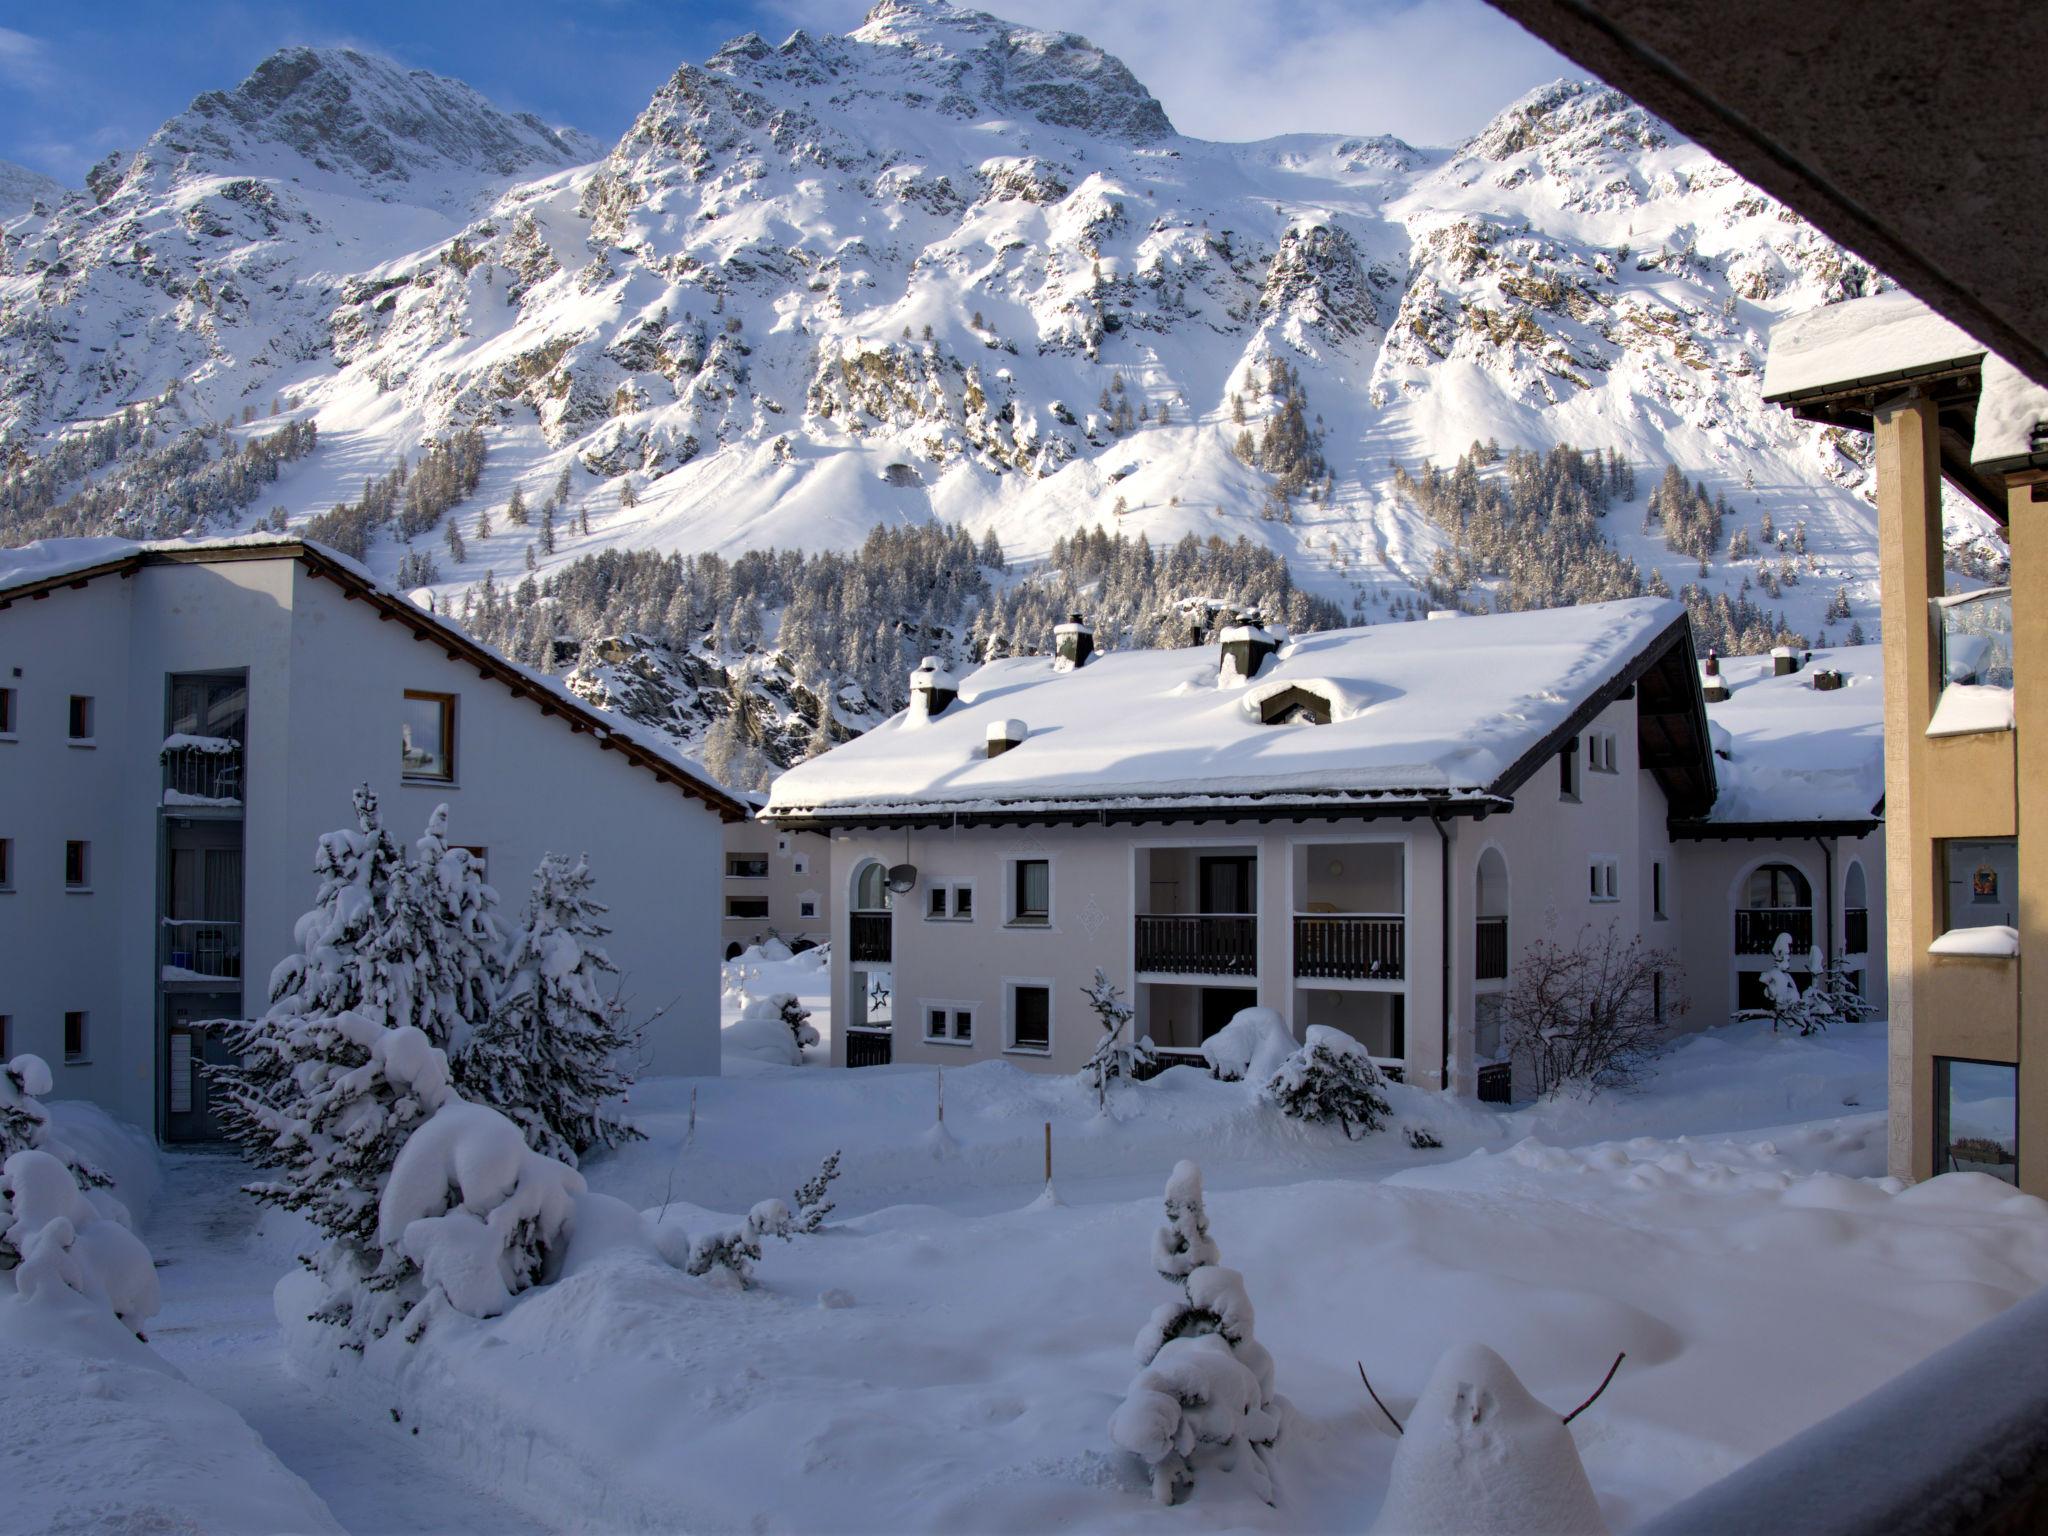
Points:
1114	1056
813	1202
735	1250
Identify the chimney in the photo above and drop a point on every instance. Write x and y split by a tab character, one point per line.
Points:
1784	661
1246	645
1827	680
931	689
1713	686
1003	735
1073	643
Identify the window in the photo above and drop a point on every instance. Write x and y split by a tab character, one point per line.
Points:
1600	752
1031	892
75	1038
949	1022
1983	883
1568	771
6	711
77	865
1657	997
1976	1118
808	907
1604	880
746	906
427	736
871	891
782	845
81	717
6	1037
1657	890
746	866
951	901
802	864
1779	887
1030	1017
6	869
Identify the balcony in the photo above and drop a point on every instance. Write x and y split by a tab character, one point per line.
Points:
1757	929
1199	944
196	949
202	771
869	937
1350	946
1492	946
1856	931
1976	638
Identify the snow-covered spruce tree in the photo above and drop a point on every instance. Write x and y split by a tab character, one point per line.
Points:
734	1251
1331	1078
1114	1055
1203	1396
813	1196
552	1051
1785	1006
440	954
335	970
25	1124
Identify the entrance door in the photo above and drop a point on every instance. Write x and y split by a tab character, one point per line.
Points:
190	1048
1222	1004
1227	884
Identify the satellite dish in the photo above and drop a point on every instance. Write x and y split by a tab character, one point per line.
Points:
902	877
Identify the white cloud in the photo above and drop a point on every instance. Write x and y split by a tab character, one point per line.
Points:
24	61
1431	71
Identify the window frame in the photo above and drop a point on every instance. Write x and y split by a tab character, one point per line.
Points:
1944	1096
760	859
1948	885
10	706
1601	754
83	1055
807	907
948	1015
1014	916
83	705
447	702
746	917
1658	909
1604	882
1568	772
7	1052
1012	985
947	894
84	881
6	879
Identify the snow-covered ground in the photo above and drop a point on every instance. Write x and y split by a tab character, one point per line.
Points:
946	1353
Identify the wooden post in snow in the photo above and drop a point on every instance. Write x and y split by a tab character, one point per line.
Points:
1048	1153
942	1095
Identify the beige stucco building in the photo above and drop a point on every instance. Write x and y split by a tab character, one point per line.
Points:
774	886
1966	724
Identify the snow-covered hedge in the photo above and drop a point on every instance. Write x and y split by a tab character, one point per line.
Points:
63	1242
1251	1046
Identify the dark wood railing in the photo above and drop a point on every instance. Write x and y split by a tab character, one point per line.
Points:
1856	931
1169	1056
1493	949
1497	1083
1199	944
870	933
1349	946
1757	929
868	1048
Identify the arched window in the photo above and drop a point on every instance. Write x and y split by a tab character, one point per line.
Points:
1778	886
1493	884
1855	893
871	888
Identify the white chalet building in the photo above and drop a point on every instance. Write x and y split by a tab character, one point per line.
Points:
1360	828
178	725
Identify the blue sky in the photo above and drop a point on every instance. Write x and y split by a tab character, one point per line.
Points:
78	81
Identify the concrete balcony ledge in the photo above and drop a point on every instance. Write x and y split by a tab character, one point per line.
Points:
1999	943
1967	708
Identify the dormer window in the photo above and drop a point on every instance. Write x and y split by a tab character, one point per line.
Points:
1295	706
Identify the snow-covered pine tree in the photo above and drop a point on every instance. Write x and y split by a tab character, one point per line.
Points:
550	1054
1331	1078
1204	1394
1114	1055
440	951
25	1127
813	1196
335	970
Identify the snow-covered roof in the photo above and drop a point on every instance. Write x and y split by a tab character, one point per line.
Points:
1796	753
1889	335
2012	416
1417	711
48	562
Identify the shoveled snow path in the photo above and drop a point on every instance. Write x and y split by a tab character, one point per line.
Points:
218	1328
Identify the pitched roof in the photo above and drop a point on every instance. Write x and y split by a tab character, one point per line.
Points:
1455	714
1860	343
34	571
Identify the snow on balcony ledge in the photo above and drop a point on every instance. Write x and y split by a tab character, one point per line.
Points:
1965	708
1999	943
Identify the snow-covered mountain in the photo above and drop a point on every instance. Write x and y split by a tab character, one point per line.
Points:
21	189
943	267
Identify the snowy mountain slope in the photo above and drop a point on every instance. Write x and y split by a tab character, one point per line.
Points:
21	189
941	267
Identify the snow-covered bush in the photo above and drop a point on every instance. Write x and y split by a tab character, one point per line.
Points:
1331	1078
62	1241
24	1123
1831	997
784	1008
761	1039
735	1251
813	1199
1114	1055
1250	1047
476	1210
1588	1018
1203	1396
551	1054
1479	1453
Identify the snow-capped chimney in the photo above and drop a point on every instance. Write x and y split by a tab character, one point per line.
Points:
1003	735
1713	686
1784	661
1246	645
1828	679
1073	643
932	688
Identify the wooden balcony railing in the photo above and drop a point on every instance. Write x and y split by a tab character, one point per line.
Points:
1350	946
870	935
201	947
1856	931
1492	962
1757	929
202	771
1199	944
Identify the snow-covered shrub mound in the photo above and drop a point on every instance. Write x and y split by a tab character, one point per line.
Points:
1203	1397
783	1008
734	1251
1479	1453
1331	1078
763	1040
25	1123
479	1212
1251	1047
66	1245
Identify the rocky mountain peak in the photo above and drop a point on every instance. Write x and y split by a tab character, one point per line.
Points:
22	189
1580	117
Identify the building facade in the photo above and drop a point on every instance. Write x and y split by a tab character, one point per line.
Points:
775	886
1411	838
178	726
